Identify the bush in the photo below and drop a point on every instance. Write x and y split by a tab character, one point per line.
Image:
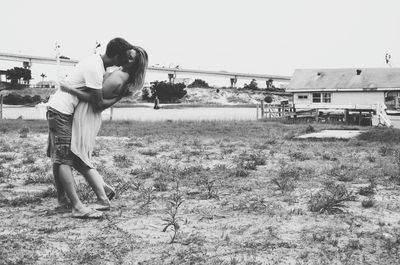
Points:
16	99
268	99
330	199
199	83
166	92
253	85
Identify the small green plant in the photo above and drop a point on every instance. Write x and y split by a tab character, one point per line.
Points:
121	160
368	190
172	218
23	132
148	152
330	199
5	174
41	177
147	197
209	186
368	203
239	172
286	179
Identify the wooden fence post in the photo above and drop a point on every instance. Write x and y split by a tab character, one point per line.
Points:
1	107
257	111
262	109
111	113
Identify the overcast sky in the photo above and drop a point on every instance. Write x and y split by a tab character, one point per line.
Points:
250	36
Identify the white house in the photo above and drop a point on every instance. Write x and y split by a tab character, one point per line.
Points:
356	89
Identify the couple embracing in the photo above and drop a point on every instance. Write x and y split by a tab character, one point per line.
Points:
74	119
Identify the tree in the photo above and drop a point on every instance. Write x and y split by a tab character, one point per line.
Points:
18	73
253	85
43	76
167	92
199	83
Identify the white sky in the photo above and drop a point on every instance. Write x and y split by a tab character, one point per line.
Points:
250	36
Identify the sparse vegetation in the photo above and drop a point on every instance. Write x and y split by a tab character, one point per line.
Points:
248	192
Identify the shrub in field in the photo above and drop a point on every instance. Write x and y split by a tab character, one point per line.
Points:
369	190
342	173
298	156
330	199
121	160
385	150
172	218
239	172
39	177
23	132
146	196
5	174
286	179
368	203
250	161
148	152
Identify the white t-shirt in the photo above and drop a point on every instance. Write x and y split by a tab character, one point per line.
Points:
89	73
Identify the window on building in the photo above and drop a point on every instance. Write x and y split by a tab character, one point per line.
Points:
322	97
316	97
302	97
326	97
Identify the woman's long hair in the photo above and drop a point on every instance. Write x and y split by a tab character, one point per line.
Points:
136	68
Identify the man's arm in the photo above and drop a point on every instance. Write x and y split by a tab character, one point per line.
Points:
99	103
93	96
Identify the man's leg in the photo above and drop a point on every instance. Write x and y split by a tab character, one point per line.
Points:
61	196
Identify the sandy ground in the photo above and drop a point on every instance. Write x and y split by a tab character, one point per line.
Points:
339	134
233	210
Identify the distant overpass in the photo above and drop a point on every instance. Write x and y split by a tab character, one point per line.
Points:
28	60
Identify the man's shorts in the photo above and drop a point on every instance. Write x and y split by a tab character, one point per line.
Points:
59	142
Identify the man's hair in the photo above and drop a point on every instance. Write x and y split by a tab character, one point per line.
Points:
118	46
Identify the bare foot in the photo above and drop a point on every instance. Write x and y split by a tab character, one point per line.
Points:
86	213
101	205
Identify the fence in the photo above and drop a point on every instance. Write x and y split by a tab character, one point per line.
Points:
350	114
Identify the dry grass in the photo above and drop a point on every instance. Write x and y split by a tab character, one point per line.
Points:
248	193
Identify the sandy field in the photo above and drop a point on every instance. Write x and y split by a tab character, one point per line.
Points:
211	192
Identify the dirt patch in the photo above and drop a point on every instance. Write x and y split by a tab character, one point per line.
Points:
248	196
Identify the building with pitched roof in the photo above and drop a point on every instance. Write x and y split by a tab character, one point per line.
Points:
363	88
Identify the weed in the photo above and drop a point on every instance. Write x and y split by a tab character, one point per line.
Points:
160	184
330	199
85	192
368	203
23	132
5	174
148	152
147	197
286	179
298	156
141	173
121	160
239	172
172	219
385	150
369	190
42	178
208	184
342	173
30	159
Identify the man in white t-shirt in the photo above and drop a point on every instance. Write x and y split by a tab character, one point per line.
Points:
88	74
